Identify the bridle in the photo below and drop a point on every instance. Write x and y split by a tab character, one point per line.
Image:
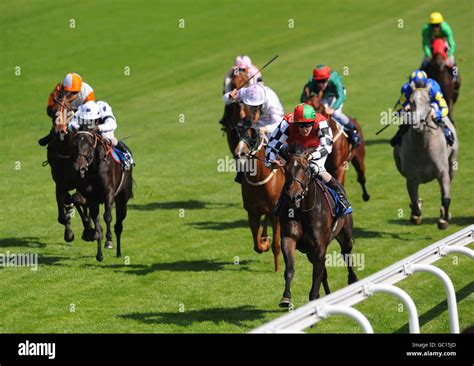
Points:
89	158
301	196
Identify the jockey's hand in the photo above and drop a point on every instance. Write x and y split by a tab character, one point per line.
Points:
407	108
329	110
233	94
275	164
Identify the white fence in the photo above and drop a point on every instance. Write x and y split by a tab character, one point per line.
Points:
341	301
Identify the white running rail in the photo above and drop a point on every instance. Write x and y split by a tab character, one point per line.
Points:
341	301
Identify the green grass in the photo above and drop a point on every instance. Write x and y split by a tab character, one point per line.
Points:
181	275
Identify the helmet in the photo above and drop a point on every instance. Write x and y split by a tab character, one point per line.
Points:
254	95
88	113
72	82
243	62
304	113
436	18
321	72
419	77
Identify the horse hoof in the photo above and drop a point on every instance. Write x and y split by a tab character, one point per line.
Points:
443	224
366	197
99	258
109	244
285	303
416	220
68	236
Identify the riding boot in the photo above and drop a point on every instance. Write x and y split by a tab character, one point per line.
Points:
397	139
46	139
353	137
336	186
447	132
127	154
238	178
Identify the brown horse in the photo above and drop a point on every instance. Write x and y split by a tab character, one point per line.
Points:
101	180
307	224
438	70
234	113
342	152
261	187
59	157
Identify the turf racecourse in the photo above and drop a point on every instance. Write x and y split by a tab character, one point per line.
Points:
188	262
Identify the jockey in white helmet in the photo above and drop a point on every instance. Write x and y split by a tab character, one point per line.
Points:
99	114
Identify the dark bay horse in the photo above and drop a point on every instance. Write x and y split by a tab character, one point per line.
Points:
438	70
59	157
261	189
101	180
308	225
342	151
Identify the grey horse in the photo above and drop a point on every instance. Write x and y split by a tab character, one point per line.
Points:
424	155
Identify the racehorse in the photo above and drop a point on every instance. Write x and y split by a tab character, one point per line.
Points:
342	151
101	180
438	70
59	158
307	224
261	187
234	112
425	155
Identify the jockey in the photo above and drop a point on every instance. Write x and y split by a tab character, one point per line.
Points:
80	91
308	129
437	27
244	64
259	99
100	114
333	97
439	107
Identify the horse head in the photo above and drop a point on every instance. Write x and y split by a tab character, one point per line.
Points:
64	112
297	174
249	142
420	108
85	144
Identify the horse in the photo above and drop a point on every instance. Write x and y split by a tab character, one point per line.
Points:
424	155
101	180
234	112
260	189
59	159
308	225
342	151
437	69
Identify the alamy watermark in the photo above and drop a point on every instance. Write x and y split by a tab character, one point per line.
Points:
335	259
228	164
19	260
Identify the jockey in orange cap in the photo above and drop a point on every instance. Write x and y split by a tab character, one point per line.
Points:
80	92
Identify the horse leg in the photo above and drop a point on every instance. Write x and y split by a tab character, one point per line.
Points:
341	172
415	205
265	240
121	213
63	219
109	202
81	207
359	165
289	246
276	241
345	240
319	268
445	216
94	210
254	222
327	291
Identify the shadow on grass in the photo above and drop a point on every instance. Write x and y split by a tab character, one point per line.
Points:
440	308
216	225
178	266
378	142
176	205
29	242
369	234
45	260
456	220
237	316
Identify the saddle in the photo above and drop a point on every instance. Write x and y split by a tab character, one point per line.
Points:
331	198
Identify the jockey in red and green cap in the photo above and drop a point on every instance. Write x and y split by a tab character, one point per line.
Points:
333	97
308	129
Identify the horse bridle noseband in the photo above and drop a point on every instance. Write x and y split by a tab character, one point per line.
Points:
89	157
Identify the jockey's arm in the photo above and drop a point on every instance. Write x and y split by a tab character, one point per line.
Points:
448	33
325	141
109	124
341	97
228	98
442	110
426	40
277	139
